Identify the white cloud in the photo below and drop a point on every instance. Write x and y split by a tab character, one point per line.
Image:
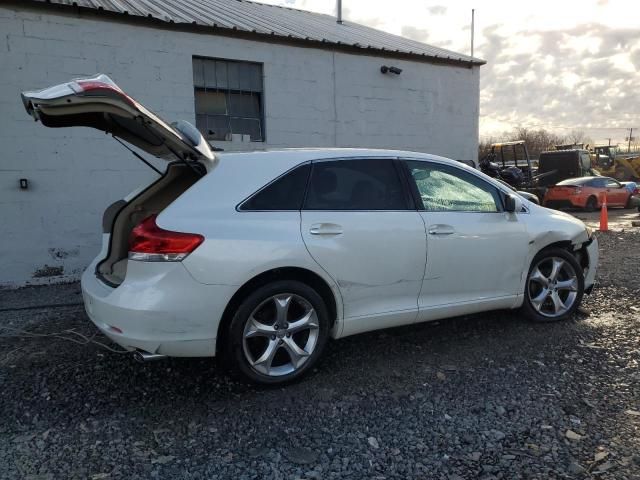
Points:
550	63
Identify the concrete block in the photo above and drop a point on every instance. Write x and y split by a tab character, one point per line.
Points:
77	172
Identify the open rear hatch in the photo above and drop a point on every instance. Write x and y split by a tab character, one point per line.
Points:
99	103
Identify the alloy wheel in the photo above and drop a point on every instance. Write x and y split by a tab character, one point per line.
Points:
552	287
280	334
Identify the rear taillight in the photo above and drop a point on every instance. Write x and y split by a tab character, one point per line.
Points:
100	88
150	243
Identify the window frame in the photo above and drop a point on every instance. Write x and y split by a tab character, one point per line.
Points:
395	162
228	91
610	180
418	199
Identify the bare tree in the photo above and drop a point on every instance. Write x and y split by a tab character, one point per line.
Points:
577	137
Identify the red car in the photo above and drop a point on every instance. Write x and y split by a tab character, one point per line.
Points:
587	193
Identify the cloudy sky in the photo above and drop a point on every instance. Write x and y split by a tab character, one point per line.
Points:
556	64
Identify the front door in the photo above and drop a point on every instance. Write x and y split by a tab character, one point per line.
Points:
475	251
360	225
617	195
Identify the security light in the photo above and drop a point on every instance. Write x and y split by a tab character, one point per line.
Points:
385	69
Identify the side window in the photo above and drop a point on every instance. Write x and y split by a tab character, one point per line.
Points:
447	189
599	183
284	193
586	161
357	184
611	183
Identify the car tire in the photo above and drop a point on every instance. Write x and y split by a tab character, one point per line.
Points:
591	205
554	286
278	333
629	203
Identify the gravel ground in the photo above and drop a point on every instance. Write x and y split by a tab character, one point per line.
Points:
485	396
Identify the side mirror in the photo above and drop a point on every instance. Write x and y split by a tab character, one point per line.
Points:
512	203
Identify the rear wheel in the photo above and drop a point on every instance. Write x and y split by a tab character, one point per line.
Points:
554	287
591	205
278	332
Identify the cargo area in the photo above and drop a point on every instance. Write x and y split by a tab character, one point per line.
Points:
121	217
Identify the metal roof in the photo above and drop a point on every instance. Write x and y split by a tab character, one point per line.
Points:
283	24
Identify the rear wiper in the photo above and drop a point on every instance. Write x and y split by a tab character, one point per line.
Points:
138	156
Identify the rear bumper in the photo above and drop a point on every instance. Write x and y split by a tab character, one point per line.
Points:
159	308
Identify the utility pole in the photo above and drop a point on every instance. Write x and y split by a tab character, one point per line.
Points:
609	141
473	14
630	137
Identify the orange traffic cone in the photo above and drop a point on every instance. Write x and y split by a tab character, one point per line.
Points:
604	215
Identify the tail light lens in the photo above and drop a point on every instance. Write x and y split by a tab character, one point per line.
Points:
150	243
100	86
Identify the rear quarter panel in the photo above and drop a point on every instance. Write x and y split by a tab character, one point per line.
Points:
239	245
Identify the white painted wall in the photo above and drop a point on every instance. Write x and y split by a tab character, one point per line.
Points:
312	98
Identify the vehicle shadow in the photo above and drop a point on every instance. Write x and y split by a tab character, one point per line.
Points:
55	379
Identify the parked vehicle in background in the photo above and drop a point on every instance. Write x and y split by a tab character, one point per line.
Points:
261	257
609	161
634	201
632	187
588	193
527	195
509	162
555	166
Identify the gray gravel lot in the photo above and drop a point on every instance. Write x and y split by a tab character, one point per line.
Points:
485	396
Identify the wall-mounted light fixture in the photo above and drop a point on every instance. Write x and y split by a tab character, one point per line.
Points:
385	69
24	184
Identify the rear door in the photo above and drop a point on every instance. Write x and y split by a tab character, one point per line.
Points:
360	225
99	103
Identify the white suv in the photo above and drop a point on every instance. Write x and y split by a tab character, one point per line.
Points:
262	257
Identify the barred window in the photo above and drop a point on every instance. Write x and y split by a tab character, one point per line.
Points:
228	98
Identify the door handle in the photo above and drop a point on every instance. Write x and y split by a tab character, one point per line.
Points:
325	229
441	230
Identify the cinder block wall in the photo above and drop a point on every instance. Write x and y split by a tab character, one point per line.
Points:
318	98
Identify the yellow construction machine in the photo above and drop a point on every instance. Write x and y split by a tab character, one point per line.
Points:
611	163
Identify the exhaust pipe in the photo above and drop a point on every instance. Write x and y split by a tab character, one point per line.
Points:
143	357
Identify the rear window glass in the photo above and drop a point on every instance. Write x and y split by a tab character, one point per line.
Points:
285	193
362	184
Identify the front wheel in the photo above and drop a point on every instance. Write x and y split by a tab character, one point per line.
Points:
554	286
278	332
629	203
